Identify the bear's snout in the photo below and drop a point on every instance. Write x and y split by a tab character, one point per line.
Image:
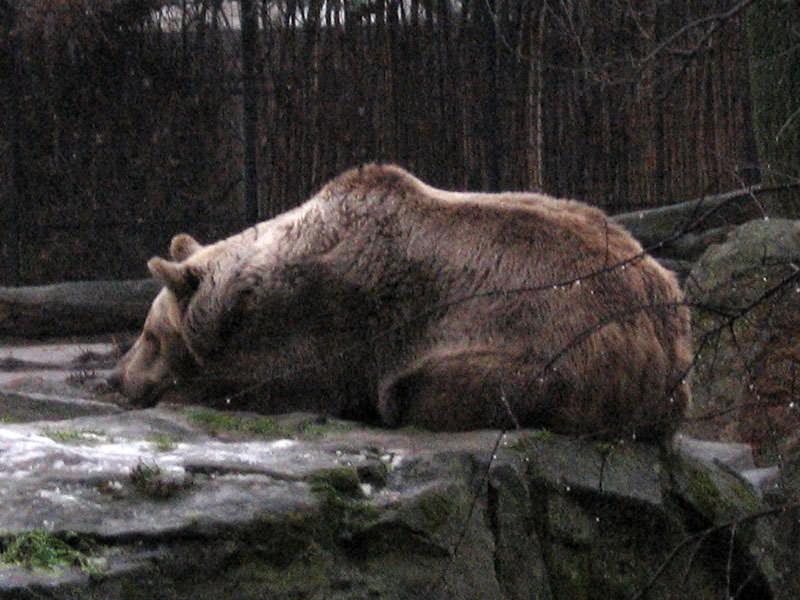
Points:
114	381
140	390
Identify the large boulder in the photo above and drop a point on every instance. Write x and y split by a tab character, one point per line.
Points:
185	502
745	295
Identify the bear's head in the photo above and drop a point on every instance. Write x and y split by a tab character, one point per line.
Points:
160	358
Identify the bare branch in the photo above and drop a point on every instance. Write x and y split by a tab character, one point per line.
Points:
705	533
715	20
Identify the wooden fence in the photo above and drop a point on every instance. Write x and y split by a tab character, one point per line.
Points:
118	135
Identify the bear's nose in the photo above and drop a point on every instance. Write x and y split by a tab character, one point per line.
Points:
114	380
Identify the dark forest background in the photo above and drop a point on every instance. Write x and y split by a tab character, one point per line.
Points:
123	122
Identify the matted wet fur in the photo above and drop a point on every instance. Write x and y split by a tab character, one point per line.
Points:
382	298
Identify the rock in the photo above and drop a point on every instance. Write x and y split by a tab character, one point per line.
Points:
745	295
54	380
681	268
184	502
738	457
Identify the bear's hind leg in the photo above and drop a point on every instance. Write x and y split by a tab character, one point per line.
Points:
453	389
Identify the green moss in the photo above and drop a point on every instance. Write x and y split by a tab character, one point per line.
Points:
219	422
150	481
717	495
71	436
744	497
524	443
162	442
341	480
314	429
62	436
703	491
342	505
37	549
436	508
306	542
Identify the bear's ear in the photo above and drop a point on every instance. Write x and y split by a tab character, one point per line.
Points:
181	279
183	246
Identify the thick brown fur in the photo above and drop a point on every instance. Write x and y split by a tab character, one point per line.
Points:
384	298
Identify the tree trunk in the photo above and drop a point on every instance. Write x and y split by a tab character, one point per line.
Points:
536	31
250	95
16	185
490	113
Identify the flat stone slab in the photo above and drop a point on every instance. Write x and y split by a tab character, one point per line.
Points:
69	470
187	502
54	380
183	502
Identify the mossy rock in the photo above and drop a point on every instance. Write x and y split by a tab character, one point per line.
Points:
745	297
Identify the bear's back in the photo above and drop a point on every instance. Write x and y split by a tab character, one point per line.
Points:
515	237
519	216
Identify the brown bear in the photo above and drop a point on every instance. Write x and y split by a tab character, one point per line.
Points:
384	299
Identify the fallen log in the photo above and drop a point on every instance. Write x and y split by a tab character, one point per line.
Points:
75	308
677	230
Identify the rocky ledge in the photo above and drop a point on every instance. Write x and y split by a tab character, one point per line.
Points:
185	502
